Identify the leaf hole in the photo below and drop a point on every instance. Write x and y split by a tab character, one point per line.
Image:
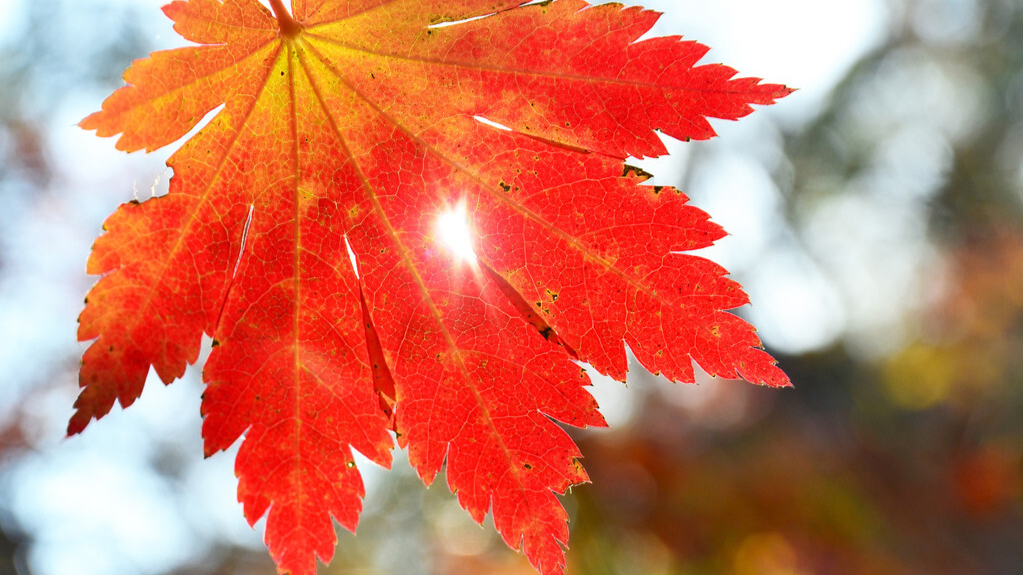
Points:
491	123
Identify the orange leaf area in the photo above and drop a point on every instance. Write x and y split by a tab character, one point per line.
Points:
300	233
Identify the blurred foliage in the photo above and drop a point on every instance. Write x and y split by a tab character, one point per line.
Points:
900	451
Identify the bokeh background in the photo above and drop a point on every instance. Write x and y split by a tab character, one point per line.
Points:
875	218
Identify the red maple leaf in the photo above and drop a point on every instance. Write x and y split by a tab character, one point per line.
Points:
300	233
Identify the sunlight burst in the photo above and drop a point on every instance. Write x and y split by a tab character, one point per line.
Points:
453	232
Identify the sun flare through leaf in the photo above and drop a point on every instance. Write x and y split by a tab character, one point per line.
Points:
454	233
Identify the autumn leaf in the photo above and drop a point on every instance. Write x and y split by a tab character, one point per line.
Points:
300	232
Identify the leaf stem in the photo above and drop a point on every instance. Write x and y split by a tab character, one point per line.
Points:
289	26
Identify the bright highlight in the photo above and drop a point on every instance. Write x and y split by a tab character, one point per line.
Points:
452	231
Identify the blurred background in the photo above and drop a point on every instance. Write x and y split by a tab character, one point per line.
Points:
876	218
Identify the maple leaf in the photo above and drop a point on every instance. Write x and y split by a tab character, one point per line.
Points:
299	232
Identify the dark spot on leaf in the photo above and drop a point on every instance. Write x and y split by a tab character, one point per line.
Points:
637	172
